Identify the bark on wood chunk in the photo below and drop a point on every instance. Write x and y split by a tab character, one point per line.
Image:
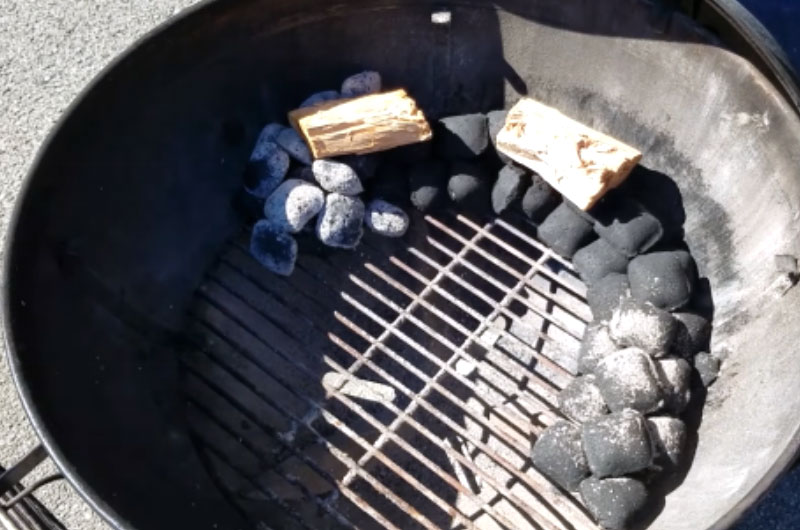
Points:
365	124
579	162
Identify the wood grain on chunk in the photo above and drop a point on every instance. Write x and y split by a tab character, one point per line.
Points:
360	125
579	162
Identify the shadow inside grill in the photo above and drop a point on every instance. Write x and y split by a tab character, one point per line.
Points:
395	386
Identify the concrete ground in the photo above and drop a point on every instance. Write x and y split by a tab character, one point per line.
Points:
49	50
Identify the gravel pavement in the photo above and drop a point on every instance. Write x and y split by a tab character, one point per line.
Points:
50	50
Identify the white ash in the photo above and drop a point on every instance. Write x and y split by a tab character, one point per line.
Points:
361	84
341	220
596	344
628	379
617	444
668	435
675	375
266	169
644	326
386	219
293	204
275	250
581	400
268	135
336	177
319	97
294	145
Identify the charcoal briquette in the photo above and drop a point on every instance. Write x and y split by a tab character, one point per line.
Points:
336	177
539	200
707	366
628	379
319	97
268	135
294	145
361	84
510	183
596	344
581	400
266	169
386	219
626	225
340	223
558	454
462	137
597	260
605	294
693	335
665	279
617	444
644	326
615	503
467	185
675	375
275	250
564	231
292	205
668	435
427	182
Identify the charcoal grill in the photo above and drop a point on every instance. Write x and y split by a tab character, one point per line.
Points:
178	385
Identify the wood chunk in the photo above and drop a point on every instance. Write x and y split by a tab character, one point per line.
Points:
579	162
365	124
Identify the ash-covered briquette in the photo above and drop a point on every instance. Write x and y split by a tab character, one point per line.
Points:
597	260
668	435
617	444
386	219
496	120
558	454
540	199
605	294
427	182
319	97
293	204
665	279
340	223
462	137
676	376
581	399
390	184
565	231
275	250
707	366
628	379
361	84
596	344
693	335
336	177
293	144
626	225
468	185
615	503
266	169
511	182
268	135
644	326
365	166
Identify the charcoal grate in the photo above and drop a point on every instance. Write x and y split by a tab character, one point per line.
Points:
396	386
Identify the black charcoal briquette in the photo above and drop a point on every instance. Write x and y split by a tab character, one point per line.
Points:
628	379
467	185
510	183
462	137
675	375
564	231
558	454
340	222
626	225
668	435
707	366
597	260
665	279
617	444
581	399
693	335
596	344
539	200
275	250
615	503
427	182
605	294
644	326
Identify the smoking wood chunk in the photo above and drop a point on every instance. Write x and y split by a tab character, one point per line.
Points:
360	125
358	388
579	162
